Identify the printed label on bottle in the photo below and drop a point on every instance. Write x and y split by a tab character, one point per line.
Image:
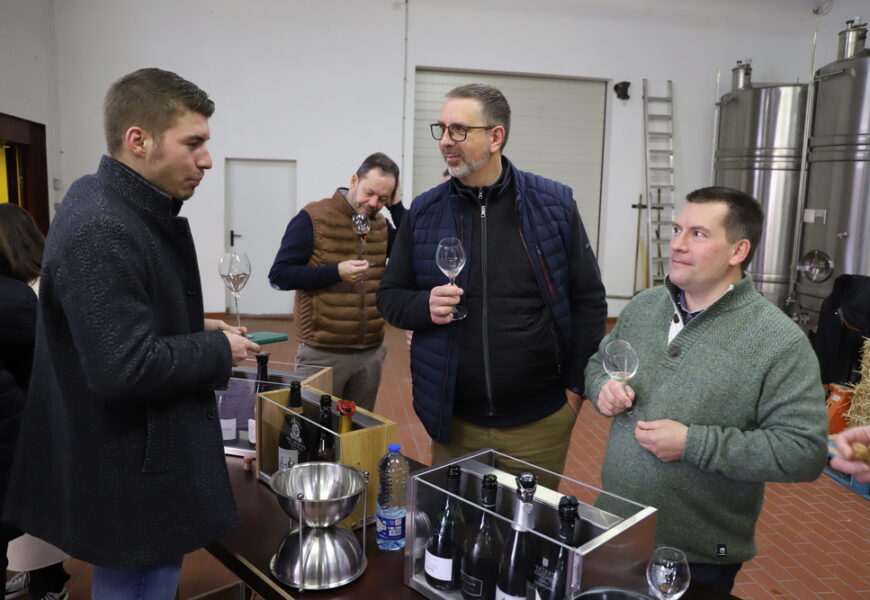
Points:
228	429
296	440
252	432
471	586
391	529
439	568
500	595
287	458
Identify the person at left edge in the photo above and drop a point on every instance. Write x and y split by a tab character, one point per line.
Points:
120	460
337	323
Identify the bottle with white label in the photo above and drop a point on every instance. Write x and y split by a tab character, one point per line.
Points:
444	551
550	572
292	448
516	559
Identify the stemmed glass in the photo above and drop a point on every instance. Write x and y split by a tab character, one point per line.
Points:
621	363
668	573
450	258
361	227
235	269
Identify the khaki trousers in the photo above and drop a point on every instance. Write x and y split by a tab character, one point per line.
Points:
356	374
543	443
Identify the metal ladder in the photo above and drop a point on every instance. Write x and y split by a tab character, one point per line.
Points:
659	184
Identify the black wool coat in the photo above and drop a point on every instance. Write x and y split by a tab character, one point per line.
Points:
120	460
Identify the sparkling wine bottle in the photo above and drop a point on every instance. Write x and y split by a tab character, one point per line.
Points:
515	566
479	566
448	537
325	447
292	448
550	573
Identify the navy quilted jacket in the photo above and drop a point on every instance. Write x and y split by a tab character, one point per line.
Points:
564	267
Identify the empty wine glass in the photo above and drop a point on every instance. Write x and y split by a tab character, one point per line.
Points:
361	227
621	362
235	269
450	258
668	573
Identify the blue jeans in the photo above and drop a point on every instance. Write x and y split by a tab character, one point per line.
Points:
717	577
153	582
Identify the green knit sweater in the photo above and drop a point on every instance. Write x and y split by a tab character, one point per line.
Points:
745	380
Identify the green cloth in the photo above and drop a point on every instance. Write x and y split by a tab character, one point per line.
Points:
745	380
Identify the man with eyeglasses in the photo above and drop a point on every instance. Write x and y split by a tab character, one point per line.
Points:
509	376
335	270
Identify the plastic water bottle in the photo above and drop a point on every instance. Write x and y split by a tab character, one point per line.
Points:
392	507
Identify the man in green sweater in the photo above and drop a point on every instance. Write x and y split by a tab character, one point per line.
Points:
727	395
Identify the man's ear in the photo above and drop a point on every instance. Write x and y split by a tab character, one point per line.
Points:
741	251
137	141
354	181
497	139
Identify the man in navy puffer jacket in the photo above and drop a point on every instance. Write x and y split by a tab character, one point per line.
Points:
510	375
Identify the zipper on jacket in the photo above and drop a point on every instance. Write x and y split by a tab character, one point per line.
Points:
362	319
546	271
487	377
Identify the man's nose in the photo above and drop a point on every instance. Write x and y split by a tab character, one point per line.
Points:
203	159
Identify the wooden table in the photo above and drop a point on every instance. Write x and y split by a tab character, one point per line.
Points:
247	551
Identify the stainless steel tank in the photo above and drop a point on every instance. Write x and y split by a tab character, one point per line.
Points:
760	141
835	236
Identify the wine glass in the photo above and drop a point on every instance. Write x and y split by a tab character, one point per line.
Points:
235	269
450	258
361	227
621	363
668	573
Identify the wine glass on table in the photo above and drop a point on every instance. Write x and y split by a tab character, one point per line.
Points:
668	573
621	363
235	269
361	227
450	258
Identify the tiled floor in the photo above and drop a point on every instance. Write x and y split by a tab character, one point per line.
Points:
812	537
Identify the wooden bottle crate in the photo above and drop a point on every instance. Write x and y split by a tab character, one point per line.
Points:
360	448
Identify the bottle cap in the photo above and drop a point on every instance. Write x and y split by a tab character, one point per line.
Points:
394	447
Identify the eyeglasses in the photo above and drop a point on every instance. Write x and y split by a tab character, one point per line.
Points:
457	133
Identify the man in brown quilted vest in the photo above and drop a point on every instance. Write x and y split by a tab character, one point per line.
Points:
336	273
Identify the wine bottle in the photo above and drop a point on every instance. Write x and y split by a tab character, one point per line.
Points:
346	410
262	385
479	565
325	447
550	573
444	551
292	448
516	558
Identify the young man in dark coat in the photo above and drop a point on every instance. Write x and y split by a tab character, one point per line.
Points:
120	460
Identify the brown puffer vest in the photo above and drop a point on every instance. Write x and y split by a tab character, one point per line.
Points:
342	315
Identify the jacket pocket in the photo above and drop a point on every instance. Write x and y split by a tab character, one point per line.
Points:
157	424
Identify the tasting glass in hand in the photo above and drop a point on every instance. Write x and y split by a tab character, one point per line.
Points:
621	362
361	227
668	573
450	258
235	269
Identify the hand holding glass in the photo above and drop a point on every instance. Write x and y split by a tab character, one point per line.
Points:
235	269
450	258
621	363
668	573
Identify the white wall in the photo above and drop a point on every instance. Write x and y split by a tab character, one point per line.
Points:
324	82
